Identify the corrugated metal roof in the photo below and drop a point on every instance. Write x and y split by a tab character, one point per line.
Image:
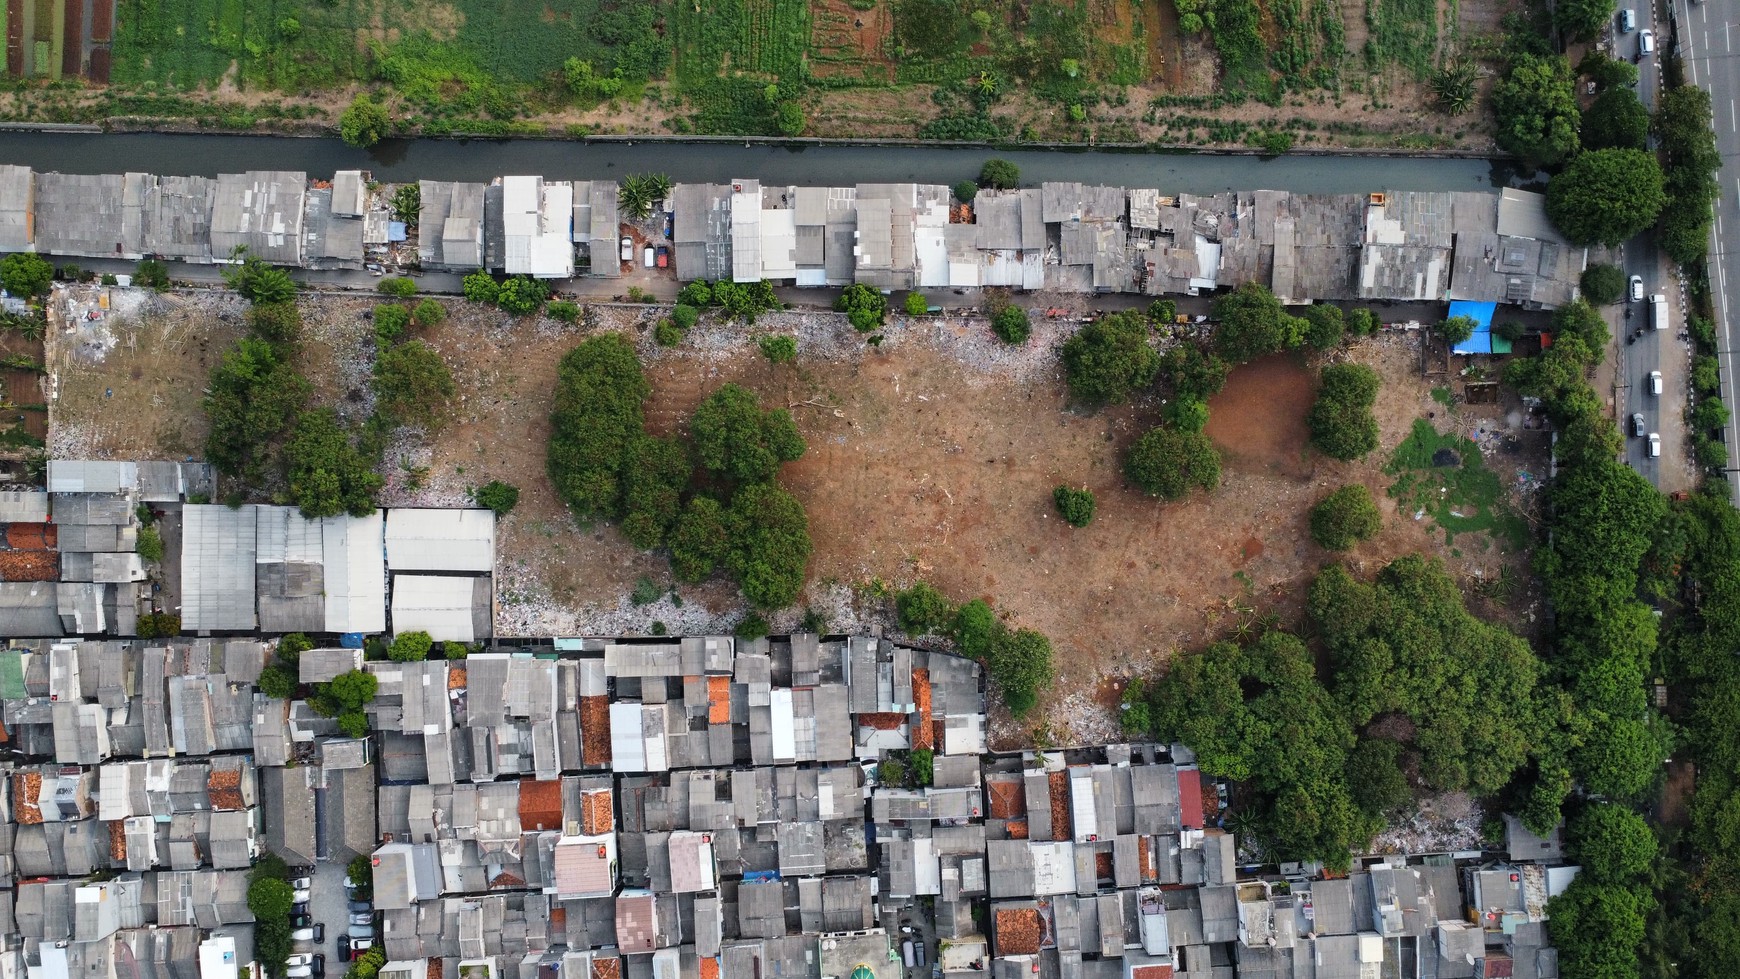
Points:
217	568
440	540
447	608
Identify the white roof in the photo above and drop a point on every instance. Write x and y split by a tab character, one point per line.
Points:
778	243
637	738
746	231
784	730
217	958
217	568
440	606
537	223
1053	868
356	578
91	476
441	540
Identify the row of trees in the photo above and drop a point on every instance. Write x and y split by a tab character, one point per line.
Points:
1018	660
712	502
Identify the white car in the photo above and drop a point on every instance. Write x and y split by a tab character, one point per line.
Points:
302	935
1654	445
627	249
299	972
1645	43
1655	382
300	958
302	883
1637	288
300	897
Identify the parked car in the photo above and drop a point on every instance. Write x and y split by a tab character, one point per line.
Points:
302	883
301	907
664	256
300	958
362	918
362	931
361	906
359	945
299	896
1637	426
319	967
627	249
299	972
1637	288
301	921
1654	445
1655	382
303	935
344	948
647	259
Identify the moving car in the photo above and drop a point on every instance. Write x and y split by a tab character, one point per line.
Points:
1627	21
1637	425
1645	44
1654	445
1637	288
1655	382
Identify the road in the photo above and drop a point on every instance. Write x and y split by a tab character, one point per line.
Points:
1709	45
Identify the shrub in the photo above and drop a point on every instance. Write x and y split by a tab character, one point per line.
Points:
365	123
256	281
1164	312
481	287
752	626
965	191
410	647
1344	518
563	311
700	539
522	295
975	629
921	764
413	385
865	308
399	286
408	203
779	348
151	274
1187	414
26	274
666	333
1109	359
154	625
685	316
1000	174
646	591
149	545
916	304
922	609
276	681
390	322
498	496
1168	463
428	313
1011	324
1362	322
1341	422
1076	506
697	294
735	438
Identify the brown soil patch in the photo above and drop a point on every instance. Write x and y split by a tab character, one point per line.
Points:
1258	419
848	43
1676	793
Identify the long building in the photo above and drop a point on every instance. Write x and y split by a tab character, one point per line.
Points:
1389	245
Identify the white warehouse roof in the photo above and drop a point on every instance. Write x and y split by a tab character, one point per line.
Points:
356	579
217	568
449	608
441	540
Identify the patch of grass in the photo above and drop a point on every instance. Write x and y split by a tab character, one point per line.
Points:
1445	397
1403	32
1466	498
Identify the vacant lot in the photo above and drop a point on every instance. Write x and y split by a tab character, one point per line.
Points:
933	457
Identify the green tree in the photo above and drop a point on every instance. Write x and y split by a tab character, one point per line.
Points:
269	897
1169	463
1374	772
328	474
481	287
25	274
1619	759
498	496
1613	843
701	539
916	304
654	472
1597	928
733	436
1582	20
397	285
408	203
1324	326
410	647
1616	120
597	414
364	123
1606	196
413	385
1536	106
149	545
747	300
1011	324
965	191
353	724
276	681
779	348
770	555
293	645
1341	421
522	295
149	274
1163	312
1076	506
251	400
279	324
1603	284
1109	359
1362	322
428	313
391	319
260	283
1186	414
865	308
1607	72
1345	517
1021	666
976	629
353	690
999	174
788	117
922	609
1249	323
640	191
1456	329
1193	372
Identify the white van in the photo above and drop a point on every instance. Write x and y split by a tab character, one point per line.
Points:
1655	383
1627	21
1645	44
1658	311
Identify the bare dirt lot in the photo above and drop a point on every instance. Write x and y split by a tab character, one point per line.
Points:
933	457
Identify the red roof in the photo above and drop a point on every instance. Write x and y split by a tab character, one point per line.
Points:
1151	972
1190	798
540	804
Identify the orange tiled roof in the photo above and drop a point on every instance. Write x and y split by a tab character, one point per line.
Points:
224	789
709	968
718	700
1018	931
1008	799
882	721
595	730
540	804
923	735
607	968
26	789
596	815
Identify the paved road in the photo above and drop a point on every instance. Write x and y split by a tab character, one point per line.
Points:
1709	41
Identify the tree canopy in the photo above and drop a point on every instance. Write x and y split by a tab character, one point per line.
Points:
1250	323
1606	196
1603	283
1536	106
1613	843
771	550
597	414
1616	120
1582	20
364	123
1000	174
1341	420
412	385
328	474
251	400
25	274
735	438
865	308
1109	359
1169	463
1344	518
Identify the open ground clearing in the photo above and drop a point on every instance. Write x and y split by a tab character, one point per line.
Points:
933	457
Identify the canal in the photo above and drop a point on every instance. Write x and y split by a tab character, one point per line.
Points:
481	159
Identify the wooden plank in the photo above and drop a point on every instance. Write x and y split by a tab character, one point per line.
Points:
102	20
73	39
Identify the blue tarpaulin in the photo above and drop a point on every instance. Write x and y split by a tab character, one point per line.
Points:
351	640
1482	341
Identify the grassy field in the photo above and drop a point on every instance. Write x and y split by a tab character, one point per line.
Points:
1038	69
1445	477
